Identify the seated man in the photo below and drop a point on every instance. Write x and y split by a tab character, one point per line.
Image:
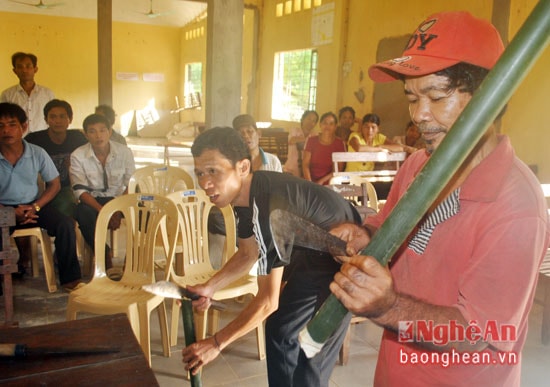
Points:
21	163
60	141
261	160
109	112
100	171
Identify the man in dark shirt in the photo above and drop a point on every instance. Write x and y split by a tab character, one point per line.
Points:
223	169
59	142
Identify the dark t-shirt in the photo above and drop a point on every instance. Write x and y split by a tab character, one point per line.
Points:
60	153
273	190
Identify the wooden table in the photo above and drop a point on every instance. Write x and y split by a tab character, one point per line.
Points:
127	367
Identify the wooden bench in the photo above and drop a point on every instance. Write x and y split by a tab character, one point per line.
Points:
375	157
275	141
8	263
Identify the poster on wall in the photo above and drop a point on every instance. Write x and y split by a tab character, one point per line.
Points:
322	24
153	77
120	76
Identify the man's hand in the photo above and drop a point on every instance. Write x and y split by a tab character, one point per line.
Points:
357	237
25	214
199	354
206	292
364	287
114	222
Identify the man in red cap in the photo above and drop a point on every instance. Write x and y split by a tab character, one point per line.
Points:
455	300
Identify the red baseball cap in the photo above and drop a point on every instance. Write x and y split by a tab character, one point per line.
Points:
443	40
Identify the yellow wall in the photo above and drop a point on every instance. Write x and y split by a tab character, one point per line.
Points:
526	120
67	61
67	56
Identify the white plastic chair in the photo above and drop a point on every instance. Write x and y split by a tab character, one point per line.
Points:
47	255
144	215
192	262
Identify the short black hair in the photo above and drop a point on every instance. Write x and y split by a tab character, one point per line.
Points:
106	111
226	140
21	55
58	103
307	113
371	117
346	109
464	77
12	110
95	119
329	114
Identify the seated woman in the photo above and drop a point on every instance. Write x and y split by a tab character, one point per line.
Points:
296	140
369	139
317	163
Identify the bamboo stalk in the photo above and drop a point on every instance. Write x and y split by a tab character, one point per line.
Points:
488	101
189	332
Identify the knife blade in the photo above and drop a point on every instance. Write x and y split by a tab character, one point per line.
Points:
171	290
288	230
22	350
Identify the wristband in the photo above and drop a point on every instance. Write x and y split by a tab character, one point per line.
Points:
216	342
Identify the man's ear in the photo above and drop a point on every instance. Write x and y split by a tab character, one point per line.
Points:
244	167
25	127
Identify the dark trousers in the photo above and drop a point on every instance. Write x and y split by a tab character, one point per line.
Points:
306	290
86	217
62	228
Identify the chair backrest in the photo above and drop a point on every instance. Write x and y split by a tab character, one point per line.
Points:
144	216
194	258
355	188
160	180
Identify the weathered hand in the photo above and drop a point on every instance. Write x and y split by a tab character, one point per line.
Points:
25	214
199	354
355	236
364	286
206	293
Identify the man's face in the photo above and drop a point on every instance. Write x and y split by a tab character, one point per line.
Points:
98	135
11	130
58	120
25	70
433	107
218	178
346	120
251	136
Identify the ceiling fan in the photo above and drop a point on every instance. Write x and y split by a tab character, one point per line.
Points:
153	14
39	5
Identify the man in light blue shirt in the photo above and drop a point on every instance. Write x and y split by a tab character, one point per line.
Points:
20	165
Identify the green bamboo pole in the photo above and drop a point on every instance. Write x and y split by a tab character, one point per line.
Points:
189	332
488	101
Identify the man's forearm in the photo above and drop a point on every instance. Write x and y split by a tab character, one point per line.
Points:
407	308
237	266
261	306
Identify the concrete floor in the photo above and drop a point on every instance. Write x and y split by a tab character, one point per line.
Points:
238	364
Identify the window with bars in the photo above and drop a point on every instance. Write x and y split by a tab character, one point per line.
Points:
193	85
294	84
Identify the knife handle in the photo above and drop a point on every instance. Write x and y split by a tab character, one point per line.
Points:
13	350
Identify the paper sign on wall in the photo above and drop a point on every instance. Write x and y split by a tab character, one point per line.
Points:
153	77
322	24
127	76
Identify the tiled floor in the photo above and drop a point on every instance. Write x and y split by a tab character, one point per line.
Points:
238	364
